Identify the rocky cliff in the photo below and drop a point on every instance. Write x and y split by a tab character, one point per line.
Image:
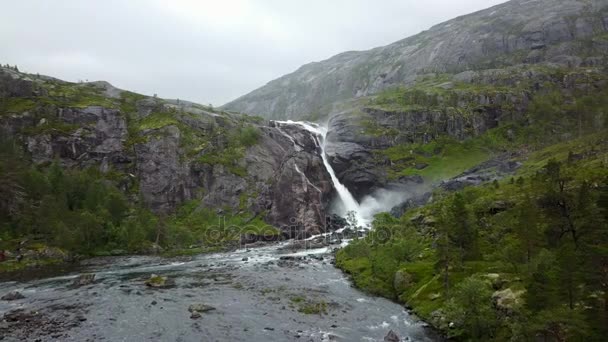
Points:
446	123
169	152
566	32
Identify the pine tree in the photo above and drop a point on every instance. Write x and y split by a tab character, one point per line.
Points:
463	233
528	227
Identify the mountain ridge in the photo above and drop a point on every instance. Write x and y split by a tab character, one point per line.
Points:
494	37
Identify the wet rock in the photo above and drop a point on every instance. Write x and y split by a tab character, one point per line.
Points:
392	337
14	295
200	308
84	279
438	319
334	222
157	281
245	259
316	257
335	240
195	315
415	201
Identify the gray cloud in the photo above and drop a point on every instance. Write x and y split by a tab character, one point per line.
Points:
203	50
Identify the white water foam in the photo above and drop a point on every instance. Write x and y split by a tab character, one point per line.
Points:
349	203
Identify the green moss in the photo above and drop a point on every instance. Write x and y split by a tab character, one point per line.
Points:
16	105
76	95
297	299
51	127
314	308
157	121
228	157
444	158
9	266
128	102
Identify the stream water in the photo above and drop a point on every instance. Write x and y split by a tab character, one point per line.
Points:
259	299
261	294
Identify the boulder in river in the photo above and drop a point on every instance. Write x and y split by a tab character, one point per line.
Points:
392	337
200	308
13	295
84	279
157	281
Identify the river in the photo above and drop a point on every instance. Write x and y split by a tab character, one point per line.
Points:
259	299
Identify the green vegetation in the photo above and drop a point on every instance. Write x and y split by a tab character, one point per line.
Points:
440	159
429	150
314	308
76	95
231	150
308	306
194	225
83	212
78	211
519	259
157	121
16	104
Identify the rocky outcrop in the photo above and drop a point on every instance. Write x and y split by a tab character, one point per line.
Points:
84	279
158	150
14	295
566	32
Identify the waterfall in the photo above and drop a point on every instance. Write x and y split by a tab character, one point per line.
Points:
347	201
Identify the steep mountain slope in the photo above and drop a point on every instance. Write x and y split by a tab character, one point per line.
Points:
168	153
519	31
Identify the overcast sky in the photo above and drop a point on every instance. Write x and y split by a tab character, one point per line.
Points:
208	51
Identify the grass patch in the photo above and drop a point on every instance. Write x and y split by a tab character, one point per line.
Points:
157	121
16	105
438	160
314	308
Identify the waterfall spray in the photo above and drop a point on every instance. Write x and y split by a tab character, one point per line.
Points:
349	203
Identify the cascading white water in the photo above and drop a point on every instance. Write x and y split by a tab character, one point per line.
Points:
348	202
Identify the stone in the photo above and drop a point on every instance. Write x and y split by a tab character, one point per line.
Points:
200	308
508	300
84	279
402	281
157	281
14	295
392	337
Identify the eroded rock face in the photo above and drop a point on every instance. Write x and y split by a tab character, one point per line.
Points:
165	179
281	178
351	155
89	136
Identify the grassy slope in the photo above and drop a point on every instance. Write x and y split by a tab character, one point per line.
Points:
373	265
